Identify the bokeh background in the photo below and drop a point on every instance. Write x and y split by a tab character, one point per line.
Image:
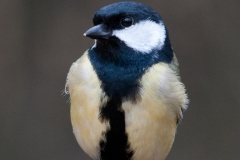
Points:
39	40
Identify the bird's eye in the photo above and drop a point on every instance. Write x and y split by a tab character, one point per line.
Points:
127	21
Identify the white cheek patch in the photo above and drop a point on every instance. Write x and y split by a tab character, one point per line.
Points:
143	36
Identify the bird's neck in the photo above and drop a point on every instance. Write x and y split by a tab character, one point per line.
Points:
119	67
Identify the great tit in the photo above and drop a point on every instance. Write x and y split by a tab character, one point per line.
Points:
125	91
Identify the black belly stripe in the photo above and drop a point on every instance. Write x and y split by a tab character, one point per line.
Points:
115	146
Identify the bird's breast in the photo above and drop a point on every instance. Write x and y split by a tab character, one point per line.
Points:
85	95
149	123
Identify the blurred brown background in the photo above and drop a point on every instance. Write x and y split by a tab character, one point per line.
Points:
39	40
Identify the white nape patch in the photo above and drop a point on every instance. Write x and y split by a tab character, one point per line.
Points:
143	36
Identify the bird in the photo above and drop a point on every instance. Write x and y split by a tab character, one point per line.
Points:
126	95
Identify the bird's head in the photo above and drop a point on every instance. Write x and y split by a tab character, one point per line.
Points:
130	24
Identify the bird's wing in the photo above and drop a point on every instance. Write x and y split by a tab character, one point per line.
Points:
174	64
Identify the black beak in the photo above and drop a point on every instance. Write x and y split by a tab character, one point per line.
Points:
100	31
